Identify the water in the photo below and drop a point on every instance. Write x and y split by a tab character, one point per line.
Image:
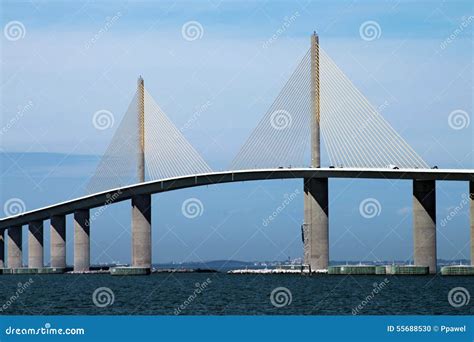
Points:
162	294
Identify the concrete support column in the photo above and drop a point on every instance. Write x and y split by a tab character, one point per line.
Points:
2	248
141	231
35	244
424	223
58	241
471	211
15	255
316	226
81	240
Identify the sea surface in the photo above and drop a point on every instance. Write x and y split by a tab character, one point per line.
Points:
225	294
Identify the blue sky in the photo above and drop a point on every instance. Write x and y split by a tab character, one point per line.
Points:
76	58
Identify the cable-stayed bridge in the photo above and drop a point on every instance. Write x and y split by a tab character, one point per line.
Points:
317	106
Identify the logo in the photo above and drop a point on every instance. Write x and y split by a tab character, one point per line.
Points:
14	30
458	296
102	297
103	119
192	30
192	208
14	206
369	208
458	119
280	119
280	297
370	30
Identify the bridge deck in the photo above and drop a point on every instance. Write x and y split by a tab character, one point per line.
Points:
169	184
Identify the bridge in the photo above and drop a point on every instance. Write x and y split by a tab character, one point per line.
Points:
317	101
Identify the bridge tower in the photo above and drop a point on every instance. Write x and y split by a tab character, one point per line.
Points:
316	196
315	131
141	129
141	204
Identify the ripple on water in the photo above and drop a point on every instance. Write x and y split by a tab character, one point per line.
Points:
161	294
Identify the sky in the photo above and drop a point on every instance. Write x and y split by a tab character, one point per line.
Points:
69	60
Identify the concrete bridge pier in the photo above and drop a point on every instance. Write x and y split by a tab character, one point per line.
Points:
35	244
2	248
424	223
58	241
81	240
15	255
471	211
316	232
141	231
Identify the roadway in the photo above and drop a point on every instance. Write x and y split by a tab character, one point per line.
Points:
169	184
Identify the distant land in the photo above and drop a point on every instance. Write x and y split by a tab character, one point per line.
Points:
226	265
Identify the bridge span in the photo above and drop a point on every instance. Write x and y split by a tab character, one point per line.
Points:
175	183
424	211
318	101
